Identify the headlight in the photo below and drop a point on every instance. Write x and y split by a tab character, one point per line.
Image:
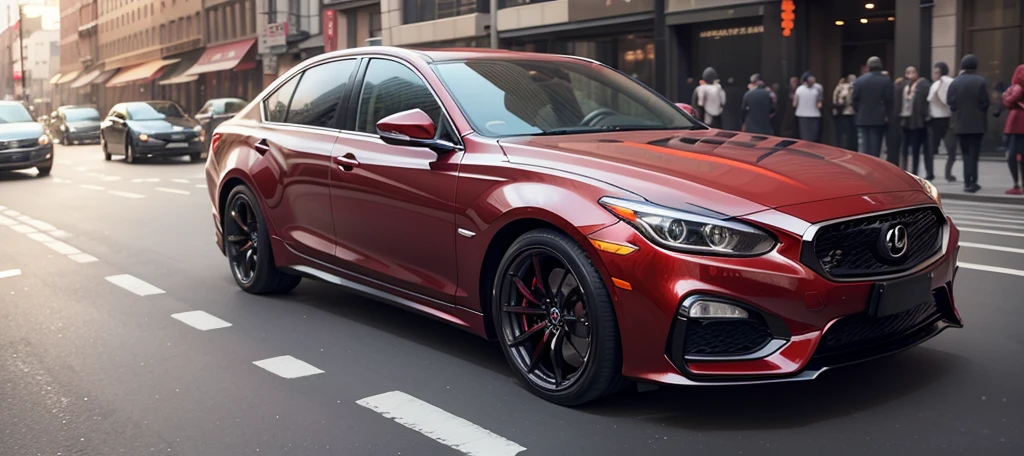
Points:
44	140
928	188
687	232
143	137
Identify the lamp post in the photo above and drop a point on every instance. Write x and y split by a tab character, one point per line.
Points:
494	24
21	51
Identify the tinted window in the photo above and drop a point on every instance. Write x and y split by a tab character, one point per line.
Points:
154	111
276	105
525	97
316	100
389	88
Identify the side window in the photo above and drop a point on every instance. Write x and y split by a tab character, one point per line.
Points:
276	105
206	108
315	102
389	88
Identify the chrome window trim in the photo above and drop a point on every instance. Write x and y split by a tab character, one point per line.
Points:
808	239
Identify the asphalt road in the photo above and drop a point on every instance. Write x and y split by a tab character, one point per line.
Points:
107	269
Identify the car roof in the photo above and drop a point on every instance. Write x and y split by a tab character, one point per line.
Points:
449	54
76	107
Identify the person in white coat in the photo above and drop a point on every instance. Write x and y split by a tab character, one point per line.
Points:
939	114
710	99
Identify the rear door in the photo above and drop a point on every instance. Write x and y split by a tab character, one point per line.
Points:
299	131
394	206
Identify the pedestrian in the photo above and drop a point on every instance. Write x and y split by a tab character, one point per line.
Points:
969	101
789	127
808	108
913	108
872	103
1013	101
710	99
757	109
939	114
842	111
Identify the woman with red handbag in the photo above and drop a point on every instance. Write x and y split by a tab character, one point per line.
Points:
1013	100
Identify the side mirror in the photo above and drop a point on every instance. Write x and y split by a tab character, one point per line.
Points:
687	108
412	128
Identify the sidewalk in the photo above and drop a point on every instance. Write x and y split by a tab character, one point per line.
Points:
993	176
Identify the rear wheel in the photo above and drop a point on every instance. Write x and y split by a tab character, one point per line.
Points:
247	245
555	321
195	157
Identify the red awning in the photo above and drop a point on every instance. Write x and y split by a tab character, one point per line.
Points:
221	57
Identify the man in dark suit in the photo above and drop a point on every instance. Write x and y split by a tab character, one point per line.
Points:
872	102
968	99
758	108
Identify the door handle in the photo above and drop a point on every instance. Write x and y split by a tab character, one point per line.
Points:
261	147
346	162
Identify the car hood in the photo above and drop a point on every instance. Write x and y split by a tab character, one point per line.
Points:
727	172
163	125
20	130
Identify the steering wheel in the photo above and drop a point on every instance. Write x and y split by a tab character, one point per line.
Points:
591	119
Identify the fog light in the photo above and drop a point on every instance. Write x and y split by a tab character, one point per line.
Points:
714	309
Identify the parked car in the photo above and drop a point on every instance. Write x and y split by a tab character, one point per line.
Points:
75	124
591	226
150	129
216	111
24	143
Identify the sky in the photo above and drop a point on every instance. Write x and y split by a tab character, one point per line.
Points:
32	7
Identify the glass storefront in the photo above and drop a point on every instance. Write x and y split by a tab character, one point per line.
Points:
993	33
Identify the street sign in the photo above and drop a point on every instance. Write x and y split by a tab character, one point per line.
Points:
274	38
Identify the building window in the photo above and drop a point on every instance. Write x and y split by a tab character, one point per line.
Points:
375	24
414	11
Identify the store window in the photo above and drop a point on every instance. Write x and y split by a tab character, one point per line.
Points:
993	33
414	11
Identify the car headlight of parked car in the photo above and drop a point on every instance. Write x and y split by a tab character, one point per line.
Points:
683	231
44	140
928	188
143	137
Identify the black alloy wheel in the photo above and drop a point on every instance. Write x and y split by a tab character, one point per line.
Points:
129	150
247	246
103	147
555	320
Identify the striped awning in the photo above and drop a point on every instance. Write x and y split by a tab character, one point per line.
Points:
67	77
140	72
85	79
55	78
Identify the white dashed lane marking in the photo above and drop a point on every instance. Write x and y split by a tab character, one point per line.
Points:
200	320
1013	226
180	181
7	222
91	187
39	225
146	179
10	273
62	248
126	194
171	190
288	367
979	230
60	234
201	186
983	267
12	213
991	247
440	425
40	237
134	284
985	216
23	229
83	258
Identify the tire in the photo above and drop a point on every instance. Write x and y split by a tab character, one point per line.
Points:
266	278
195	158
129	151
600	373
103	147
44	170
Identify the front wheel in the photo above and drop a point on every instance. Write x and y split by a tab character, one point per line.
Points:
555	321
129	151
44	171
247	245
194	158
103	147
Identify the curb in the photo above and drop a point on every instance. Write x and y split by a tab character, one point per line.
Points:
1016	200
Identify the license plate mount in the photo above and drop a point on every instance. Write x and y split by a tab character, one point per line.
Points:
177	145
895	296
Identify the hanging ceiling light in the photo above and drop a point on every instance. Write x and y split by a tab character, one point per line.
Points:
869	5
863	20
840	23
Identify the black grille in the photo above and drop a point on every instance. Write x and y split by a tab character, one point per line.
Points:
725	337
178	136
862	331
856	248
19	143
15	157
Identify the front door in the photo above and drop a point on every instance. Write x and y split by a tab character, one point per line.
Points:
394	206
299	132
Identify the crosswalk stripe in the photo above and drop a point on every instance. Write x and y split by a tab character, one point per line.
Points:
991	247
983	231
993	225
983	267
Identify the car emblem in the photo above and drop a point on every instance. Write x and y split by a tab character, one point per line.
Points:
896	241
556	315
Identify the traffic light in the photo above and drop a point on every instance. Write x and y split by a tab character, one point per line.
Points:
787	17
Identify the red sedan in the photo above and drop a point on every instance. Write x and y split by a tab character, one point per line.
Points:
595	230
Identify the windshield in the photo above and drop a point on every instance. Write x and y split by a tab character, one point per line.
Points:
529	97
14	113
154	111
81	115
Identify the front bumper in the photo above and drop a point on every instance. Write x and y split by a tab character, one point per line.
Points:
814	324
158	148
15	159
82	136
